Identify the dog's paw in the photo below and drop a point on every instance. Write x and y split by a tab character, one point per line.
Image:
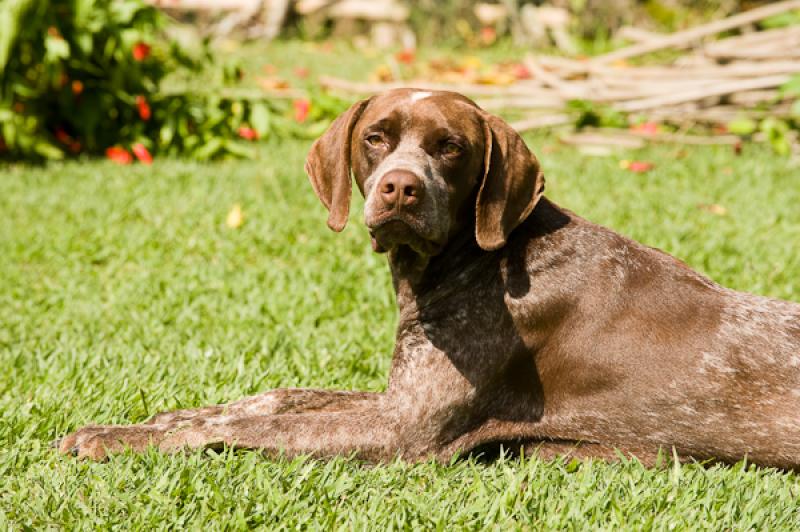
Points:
97	442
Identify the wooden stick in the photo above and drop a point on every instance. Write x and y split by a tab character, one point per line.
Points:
698	140
571	67
720	114
241	93
208	5
633	139
637	35
520	102
656	84
686	38
749	40
603	138
792	51
541	122
307	7
752	98
737	70
526	89
642	90
700	93
569	90
369	10
610	90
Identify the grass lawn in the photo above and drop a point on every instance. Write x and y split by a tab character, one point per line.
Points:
123	293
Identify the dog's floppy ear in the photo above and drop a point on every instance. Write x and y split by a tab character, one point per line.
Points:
328	166
512	184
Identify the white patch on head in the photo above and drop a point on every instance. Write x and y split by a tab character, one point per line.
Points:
420	95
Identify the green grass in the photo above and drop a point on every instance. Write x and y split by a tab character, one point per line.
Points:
123	293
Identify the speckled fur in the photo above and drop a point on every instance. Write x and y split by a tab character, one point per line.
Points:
539	330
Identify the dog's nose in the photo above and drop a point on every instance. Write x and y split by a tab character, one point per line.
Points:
400	188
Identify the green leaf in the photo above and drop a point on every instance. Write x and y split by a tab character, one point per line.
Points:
57	48
239	149
209	149
791	87
166	134
82	11
777	132
123	11
11	14
260	118
316	129
47	150
795	110
789	18
84	42
742	126
596	115
10	133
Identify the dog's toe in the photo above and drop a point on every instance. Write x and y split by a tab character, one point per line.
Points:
71	443
95	448
66	444
58	445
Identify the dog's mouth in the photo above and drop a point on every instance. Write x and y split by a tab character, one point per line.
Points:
393	231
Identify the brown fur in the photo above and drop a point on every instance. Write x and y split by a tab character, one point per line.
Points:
519	322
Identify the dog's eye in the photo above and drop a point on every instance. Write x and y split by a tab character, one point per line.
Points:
451	149
374	140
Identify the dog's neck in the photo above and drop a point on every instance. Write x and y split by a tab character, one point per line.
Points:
419	278
421	281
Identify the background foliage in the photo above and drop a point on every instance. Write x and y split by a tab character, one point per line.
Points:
87	76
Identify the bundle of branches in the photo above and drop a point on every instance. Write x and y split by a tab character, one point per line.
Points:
746	84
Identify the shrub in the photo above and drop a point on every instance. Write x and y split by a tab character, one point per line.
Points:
85	76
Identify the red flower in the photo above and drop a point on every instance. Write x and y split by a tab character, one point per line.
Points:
119	155
141	153
77	87
301	72
636	166
62	136
3	146
141	51
521	71
248	133
647	128
406	56
640	166
301	109
144	108
488	35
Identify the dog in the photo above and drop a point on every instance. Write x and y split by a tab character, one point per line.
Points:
519	322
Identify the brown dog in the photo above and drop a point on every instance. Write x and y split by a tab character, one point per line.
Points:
519	321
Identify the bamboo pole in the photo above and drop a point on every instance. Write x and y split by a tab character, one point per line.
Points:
687	38
700	93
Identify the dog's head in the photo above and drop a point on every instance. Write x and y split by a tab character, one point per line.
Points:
429	164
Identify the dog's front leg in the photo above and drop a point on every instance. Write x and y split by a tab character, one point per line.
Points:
368	433
203	427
